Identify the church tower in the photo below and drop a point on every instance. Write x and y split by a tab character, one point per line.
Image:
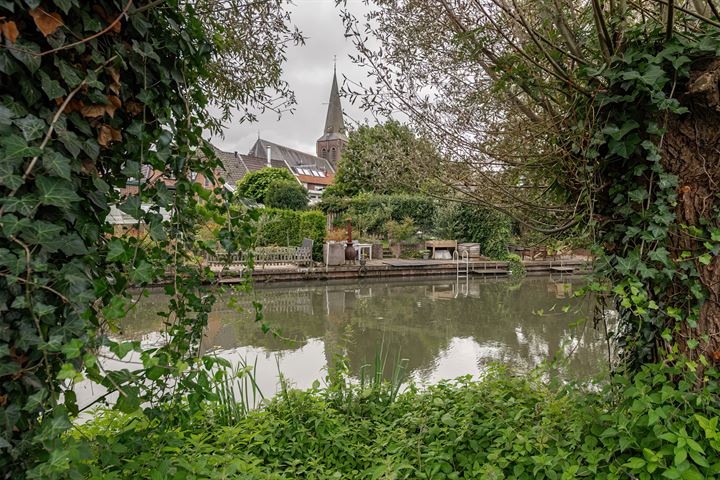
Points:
333	141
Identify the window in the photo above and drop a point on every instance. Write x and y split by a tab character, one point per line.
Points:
332	154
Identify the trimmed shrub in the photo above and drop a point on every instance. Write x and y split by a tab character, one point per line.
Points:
255	185
470	223
287	194
371	212
287	228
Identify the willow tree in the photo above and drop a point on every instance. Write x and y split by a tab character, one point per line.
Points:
585	114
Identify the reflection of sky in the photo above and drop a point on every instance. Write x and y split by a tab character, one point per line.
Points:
300	367
460	358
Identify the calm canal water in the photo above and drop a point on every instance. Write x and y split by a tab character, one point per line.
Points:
444	327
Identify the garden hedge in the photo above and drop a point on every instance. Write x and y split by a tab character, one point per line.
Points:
288	228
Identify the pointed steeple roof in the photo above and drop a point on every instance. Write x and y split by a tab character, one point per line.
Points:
334	124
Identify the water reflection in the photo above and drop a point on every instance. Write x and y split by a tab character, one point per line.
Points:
446	328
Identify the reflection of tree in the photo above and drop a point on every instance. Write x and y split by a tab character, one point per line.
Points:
416	317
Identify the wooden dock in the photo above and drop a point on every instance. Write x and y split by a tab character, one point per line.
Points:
409	268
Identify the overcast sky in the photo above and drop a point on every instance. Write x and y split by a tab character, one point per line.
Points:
309	72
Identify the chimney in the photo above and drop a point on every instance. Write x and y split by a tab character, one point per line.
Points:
269	156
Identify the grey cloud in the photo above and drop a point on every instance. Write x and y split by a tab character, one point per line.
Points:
309	72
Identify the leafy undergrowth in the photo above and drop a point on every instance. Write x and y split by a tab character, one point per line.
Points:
655	426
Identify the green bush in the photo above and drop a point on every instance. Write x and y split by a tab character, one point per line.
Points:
287	228
371	212
400	231
254	185
661	424
287	194
470	223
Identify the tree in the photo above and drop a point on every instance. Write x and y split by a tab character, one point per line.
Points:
286	194
245	68
591	114
93	94
254	185
373	160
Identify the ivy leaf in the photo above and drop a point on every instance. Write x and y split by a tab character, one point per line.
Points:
27	54
131	206
116	250
51	87
23	205
63	5
68	372
73	245
32	127
128	400
56	192
69	74
56	164
652	75
71	142
8	176
45	231
6	115
705	258
16	147
143	273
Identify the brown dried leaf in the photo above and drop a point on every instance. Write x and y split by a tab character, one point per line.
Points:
9	30
93	111
46	22
74	105
107	135
134	108
114	104
115	75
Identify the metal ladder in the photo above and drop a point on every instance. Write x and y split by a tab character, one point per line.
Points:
464	260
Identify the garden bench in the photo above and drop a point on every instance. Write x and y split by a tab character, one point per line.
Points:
300	256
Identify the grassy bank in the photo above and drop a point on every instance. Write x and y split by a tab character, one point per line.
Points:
503	426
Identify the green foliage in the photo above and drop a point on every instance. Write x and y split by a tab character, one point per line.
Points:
515	264
377	158
254	185
473	224
401	231
289	227
503	426
652	263
371	213
92	96
286	194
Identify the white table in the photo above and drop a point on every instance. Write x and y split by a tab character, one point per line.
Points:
361	247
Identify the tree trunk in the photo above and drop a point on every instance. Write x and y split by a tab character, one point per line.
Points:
691	150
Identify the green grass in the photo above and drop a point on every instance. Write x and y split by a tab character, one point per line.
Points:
503	426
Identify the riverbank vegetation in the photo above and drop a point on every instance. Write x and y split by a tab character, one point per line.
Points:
661	424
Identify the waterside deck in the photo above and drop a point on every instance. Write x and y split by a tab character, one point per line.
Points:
408	268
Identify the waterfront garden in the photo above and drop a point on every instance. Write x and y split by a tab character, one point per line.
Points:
581	124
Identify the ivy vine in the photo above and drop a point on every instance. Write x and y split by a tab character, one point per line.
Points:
94	95
653	262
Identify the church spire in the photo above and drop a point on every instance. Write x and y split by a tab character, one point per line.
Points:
334	121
